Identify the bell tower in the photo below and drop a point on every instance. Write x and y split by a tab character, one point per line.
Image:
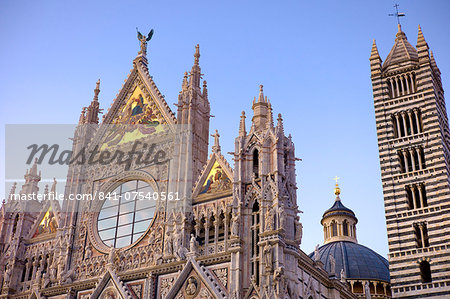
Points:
413	142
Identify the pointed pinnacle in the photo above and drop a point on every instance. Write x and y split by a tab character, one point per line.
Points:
261	94
96	90
197	54
242	131
374	52
420	38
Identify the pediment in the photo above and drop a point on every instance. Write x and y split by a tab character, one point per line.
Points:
196	281
215	180
139	101
110	286
47	223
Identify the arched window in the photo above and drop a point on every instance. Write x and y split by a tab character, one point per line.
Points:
255	225
256	163
334	229
345	227
425	272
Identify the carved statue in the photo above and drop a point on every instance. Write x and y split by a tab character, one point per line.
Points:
269	219
191	286
267	251
367	290
193	244
88	253
282	217
343	278
332	264
235	226
168	244
144	39
316	253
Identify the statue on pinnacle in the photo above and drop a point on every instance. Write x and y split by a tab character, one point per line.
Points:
144	39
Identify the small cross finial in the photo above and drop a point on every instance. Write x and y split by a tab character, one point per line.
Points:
397	14
337	190
336	178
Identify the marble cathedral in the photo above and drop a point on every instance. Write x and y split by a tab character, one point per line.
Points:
238	236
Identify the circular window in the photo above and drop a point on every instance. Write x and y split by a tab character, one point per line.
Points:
126	214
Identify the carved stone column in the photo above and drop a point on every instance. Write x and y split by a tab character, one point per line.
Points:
413	160
421	188
413	192
399	131
404	123
405	159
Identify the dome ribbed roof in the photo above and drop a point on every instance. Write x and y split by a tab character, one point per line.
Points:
358	261
338	206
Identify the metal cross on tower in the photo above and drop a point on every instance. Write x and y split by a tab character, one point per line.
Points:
397	14
336	178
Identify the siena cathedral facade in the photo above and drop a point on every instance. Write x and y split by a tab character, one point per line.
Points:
232	232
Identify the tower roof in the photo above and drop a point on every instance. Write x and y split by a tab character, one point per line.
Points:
402	50
338	207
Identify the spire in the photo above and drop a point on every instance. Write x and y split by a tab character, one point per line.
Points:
422	48
261	94
402	53
96	90
184	85
33	170
196	71
53	190
374	53
93	109
280	124
82	116
421	39
205	90
216	145
270	119
242	131
433	63
197	54
13	190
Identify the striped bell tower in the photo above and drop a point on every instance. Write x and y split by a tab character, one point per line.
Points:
413	142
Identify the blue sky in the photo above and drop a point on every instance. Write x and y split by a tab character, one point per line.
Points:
311	57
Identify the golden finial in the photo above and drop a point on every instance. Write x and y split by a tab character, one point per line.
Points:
337	190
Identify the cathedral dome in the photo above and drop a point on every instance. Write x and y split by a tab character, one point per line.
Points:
358	261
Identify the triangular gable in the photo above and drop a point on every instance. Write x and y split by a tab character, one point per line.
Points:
110	283
216	177
208	279
47	222
139	102
139	83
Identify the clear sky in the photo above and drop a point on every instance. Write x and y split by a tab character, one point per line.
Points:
311	56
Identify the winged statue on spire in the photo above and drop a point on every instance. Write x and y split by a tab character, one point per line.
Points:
144	39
